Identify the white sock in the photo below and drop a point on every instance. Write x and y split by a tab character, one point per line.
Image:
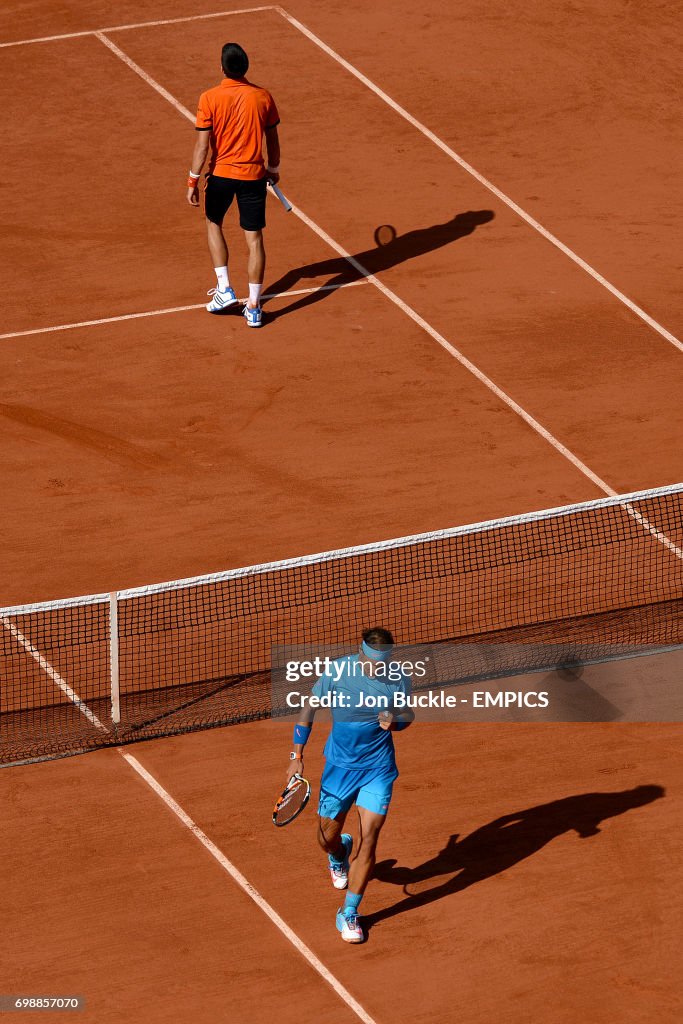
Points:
255	294
223	279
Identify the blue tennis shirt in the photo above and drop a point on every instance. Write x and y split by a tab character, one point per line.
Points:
357	741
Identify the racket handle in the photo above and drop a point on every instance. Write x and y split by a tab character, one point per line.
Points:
280	195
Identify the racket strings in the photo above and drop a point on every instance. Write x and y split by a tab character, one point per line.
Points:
291	801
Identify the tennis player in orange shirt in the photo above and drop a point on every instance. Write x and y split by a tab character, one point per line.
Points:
233	119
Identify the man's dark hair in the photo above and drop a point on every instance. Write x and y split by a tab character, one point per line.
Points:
234	61
378	637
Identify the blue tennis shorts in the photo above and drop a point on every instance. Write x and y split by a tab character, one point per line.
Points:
342	787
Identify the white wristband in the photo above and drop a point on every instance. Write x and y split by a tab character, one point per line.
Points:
193	175
273	170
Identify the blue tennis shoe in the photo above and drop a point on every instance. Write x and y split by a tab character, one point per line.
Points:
254	317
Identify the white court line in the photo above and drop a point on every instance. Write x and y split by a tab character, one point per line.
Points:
143	74
531	221
138	24
460	357
393	297
96	323
654	532
197	832
173	309
190	17
53	674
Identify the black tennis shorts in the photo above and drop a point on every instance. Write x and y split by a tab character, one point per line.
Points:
251	200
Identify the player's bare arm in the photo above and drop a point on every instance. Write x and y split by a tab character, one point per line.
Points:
273	154
199	155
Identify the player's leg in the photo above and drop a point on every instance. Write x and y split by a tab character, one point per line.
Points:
372	803
256	266
330	831
360	873
218	196
251	199
370	824
218	247
338	788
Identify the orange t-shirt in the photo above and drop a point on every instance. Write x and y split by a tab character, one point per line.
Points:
237	113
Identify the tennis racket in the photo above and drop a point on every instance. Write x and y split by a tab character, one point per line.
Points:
292	802
281	196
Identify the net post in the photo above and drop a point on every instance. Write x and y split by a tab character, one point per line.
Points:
114	657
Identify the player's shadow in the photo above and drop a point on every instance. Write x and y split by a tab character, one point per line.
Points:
405	247
501	844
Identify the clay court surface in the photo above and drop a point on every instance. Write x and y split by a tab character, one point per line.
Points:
485	370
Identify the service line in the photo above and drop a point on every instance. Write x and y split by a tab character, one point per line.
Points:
172	309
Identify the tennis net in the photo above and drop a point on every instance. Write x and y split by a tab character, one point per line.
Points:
586	582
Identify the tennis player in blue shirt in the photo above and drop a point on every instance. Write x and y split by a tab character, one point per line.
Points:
360	764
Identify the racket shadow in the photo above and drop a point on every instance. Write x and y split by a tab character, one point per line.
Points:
383	257
500	845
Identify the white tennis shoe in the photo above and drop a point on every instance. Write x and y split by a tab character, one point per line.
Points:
339	870
349	926
221	300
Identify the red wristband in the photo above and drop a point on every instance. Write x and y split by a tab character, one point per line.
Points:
192	182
